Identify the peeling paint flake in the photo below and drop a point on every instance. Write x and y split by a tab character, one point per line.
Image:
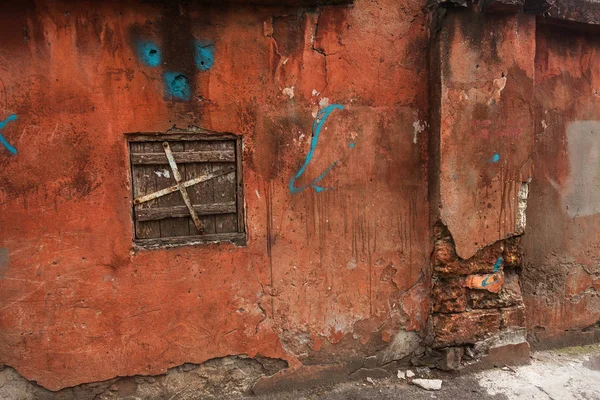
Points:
164	173
289	91
497	88
418	127
324	102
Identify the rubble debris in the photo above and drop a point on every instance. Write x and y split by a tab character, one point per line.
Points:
428	384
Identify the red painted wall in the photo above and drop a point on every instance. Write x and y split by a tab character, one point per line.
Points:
348	265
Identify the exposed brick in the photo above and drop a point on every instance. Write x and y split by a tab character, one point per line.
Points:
490	282
467	327
509	296
443	252
513	253
481	263
513	317
449	295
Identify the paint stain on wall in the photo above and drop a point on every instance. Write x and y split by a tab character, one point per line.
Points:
4	142
316	130
205	55
498	264
581	192
149	53
495	158
177	86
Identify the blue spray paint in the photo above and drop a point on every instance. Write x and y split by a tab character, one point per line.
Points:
316	129
352	145
177	85
495	158
498	264
3	124
485	282
149	53
205	55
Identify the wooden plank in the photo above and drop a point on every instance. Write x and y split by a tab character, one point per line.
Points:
225	191
186	184
184	157
178	137
144	181
170	227
181	187
202	193
240	185
235	237
151	214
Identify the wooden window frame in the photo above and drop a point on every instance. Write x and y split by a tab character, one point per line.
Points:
178	135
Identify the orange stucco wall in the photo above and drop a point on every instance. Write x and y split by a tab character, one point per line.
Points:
346	265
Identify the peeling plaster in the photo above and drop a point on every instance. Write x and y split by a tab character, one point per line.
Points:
324	102
418	127
288	91
403	345
498	87
522	208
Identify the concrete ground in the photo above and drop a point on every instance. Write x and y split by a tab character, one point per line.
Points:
571	373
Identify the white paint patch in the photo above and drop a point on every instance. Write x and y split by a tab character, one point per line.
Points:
324	102
257	194
164	173
351	264
286	60
544	124
289	91
314	92
418	128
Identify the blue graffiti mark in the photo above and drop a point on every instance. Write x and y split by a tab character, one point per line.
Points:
3	124
177	85
149	53
352	145
495	158
205	55
316	129
485	282
498	264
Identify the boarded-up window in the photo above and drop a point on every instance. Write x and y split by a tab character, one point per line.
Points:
187	188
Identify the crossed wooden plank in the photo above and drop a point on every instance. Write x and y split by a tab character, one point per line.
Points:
181	186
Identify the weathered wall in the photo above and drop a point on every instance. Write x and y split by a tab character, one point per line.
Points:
483	144
486	140
336	269
562	244
326	275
